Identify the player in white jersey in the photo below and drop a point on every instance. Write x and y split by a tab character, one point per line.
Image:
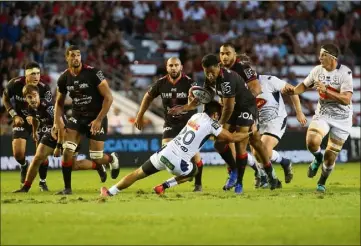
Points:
176	156
333	115
272	119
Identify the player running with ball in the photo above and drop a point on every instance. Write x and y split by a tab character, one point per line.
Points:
333	81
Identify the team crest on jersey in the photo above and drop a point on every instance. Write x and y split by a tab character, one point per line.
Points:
226	88
260	102
335	80
248	72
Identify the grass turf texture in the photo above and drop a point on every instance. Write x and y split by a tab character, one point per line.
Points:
293	215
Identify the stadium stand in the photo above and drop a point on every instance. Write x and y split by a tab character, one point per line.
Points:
131	42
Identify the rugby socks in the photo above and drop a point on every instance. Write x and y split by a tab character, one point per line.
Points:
326	171
276	157
113	190
43	170
318	155
66	168
241	162
228	157
268	168
27	185
22	163
198	177
252	163
169	183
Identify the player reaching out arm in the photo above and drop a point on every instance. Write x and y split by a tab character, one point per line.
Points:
334	83
176	156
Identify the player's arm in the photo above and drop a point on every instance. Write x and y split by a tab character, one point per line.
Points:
35	126
8	93
59	109
227	110
297	106
147	100
105	91
255	87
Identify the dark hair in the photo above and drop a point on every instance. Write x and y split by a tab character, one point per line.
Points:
213	107
71	48
229	45
32	65
210	60
331	49
29	88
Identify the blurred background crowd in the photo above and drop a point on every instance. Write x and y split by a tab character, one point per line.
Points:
126	38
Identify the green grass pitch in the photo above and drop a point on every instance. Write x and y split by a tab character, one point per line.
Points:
292	215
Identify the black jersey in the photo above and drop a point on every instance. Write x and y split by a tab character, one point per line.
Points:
83	90
231	84
244	70
173	94
45	114
14	90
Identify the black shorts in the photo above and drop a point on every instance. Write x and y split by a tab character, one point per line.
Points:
23	131
172	130
244	117
81	125
48	140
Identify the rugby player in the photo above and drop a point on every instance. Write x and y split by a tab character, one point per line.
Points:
333	115
173	89
91	100
176	156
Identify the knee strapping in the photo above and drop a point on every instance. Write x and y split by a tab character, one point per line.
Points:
71	146
95	155
334	147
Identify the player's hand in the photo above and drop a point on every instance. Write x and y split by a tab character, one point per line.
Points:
302	119
138	122
320	87
176	110
29	119
95	126
35	137
18	121
288	90
57	152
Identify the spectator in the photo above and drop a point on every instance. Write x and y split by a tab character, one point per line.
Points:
325	36
305	39
32	20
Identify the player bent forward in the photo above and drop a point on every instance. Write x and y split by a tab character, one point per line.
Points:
177	154
41	119
333	82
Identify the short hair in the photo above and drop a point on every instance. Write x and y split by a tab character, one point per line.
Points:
32	65
210	60
71	48
228	45
331	49
29	88
213	107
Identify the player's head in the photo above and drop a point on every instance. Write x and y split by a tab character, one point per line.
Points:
227	54
31	94
73	56
213	109
211	67
174	67
32	73
328	55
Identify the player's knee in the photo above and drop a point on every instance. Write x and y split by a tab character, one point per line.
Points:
96	156
19	155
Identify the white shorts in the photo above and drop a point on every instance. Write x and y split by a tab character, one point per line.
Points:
275	128
326	125
168	159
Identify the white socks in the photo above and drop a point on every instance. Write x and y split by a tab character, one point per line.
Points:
114	190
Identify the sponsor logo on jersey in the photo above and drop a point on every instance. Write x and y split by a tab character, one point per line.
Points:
18	129
246	115
182	95
249	72
193	125
21	99
167	95
216	125
321	77
167	128
48	96
83	86
100	75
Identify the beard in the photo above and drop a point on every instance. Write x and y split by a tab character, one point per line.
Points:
174	76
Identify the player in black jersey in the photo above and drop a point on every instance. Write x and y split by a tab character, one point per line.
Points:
173	89
41	118
91	100
241	65
235	96
16	106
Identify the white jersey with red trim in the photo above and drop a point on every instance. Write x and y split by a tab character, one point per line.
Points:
339	80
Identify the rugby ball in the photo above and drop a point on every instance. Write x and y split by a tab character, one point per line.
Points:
203	95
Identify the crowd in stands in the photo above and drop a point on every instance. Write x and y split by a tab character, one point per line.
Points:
269	32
